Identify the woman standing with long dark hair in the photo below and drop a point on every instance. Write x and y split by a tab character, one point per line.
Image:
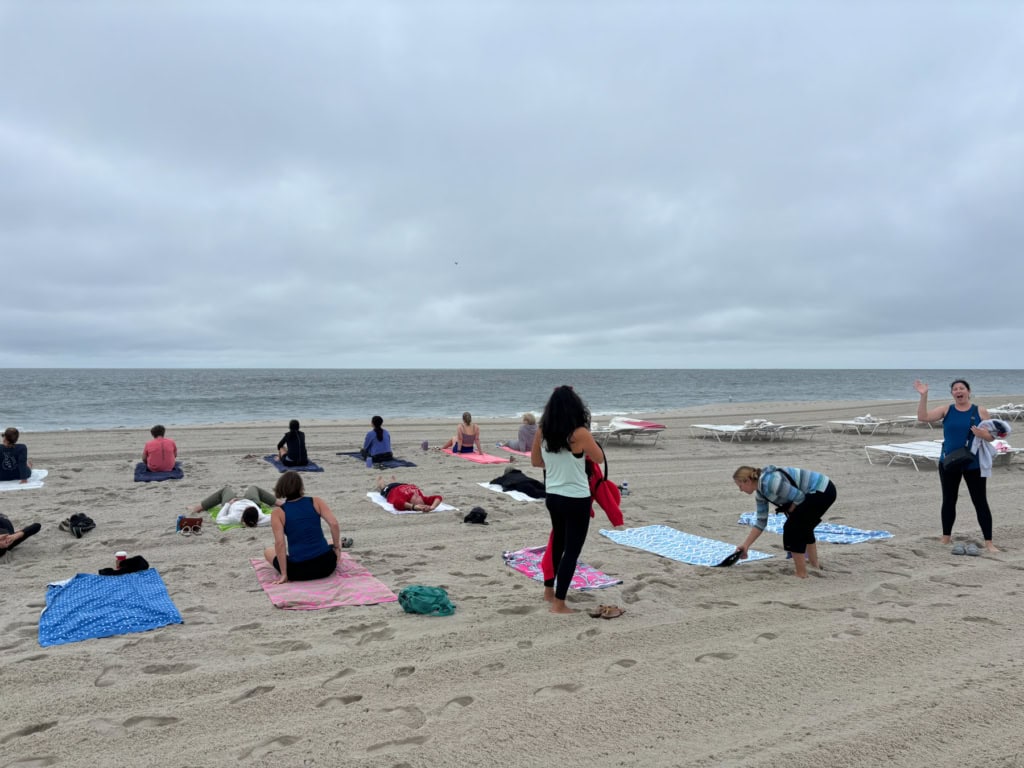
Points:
562	444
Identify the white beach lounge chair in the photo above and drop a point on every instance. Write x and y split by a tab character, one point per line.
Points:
734	432
927	450
630	429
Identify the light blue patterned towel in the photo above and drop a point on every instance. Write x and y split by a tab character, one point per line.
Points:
684	547
88	606
831	533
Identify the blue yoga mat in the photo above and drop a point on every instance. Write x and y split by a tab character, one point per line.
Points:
89	606
831	533
143	475
389	464
311	467
677	545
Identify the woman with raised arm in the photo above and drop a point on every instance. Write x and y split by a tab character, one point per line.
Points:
961	426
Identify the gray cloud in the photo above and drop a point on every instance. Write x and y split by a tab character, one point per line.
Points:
511	185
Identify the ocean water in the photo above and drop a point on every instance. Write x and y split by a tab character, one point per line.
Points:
66	398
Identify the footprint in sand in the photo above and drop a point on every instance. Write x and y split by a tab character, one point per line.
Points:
412	741
594	632
557	690
524	645
242	627
267	747
107	677
168	669
884	620
381	634
284	646
346	700
28	730
481	558
847	634
404	671
982	620
359	629
765	637
144	721
259	690
706	658
490	669
459	701
33	762
335	681
621	665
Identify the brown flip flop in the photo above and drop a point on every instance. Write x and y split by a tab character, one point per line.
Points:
598	612
612	612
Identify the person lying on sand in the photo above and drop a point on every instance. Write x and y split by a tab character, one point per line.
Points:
246	508
406	496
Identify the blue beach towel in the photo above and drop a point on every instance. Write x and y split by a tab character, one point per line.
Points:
143	475
677	545
831	533
390	463
311	467
88	606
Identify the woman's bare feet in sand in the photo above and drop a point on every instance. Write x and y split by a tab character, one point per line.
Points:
989	546
559	606
549	594
195	510
946	540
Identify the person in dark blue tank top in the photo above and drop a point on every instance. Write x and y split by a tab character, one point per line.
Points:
960	420
300	551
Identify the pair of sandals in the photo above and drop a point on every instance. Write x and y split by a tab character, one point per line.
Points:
77	525
971	550
606	612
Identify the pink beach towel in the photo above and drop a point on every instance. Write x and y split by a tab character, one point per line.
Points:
513	450
477	458
350	584
527	562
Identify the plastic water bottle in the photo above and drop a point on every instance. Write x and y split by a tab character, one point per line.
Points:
625	489
369	462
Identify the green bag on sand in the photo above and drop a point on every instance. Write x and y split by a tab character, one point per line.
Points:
432	601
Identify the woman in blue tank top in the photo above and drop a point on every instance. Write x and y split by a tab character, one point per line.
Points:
960	420
300	551
562	444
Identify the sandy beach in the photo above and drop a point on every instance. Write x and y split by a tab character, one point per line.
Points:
896	653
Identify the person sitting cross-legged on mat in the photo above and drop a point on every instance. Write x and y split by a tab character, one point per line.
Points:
10	538
246	508
291	449
406	496
803	495
14	463
377	443
160	453
300	551
467	437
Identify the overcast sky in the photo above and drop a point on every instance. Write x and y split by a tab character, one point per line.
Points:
520	185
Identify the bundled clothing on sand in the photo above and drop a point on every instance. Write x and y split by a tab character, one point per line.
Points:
516	480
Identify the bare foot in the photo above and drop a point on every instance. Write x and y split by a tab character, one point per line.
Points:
559	606
549	594
195	510
990	546
801	575
946	540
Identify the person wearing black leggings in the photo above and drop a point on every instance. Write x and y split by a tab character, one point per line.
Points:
561	446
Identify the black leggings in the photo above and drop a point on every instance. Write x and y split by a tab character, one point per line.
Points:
798	531
319	567
950	479
570	520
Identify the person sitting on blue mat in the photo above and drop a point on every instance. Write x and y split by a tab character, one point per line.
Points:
291	450
377	444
